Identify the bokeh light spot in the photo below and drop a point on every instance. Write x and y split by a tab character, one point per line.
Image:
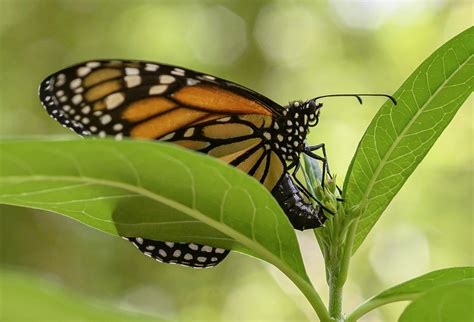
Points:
286	34
399	254
216	35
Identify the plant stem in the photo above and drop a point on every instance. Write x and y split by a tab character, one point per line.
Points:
369	305
339	272
313	297
335	301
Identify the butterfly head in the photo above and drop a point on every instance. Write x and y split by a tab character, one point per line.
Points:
311	110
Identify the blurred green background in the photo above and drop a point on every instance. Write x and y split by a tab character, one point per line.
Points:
286	50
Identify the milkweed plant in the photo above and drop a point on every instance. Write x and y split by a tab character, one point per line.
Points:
236	212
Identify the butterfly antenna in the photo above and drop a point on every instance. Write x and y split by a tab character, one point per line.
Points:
358	96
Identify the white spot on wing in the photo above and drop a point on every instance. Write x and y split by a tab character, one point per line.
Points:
157	89
167	137
75	83
151	67
60	80
83	71
191	81
76	99
166	79
114	100
133	81
189	132
105	119
86	109
93	64
131	71
178	72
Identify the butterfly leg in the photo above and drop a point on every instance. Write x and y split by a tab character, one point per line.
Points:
187	254
299	184
309	151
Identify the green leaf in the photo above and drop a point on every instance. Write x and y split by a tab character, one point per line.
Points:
399	137
452	302
28	298
414	288
152	190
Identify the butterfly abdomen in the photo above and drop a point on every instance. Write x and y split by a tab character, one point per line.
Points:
302	214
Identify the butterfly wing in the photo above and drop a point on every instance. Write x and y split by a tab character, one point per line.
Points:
156	101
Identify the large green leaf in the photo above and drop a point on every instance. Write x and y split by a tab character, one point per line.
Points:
414	288
153	190
399	137
448	303
28	298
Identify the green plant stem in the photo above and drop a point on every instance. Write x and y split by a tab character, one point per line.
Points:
313	297
335	300
339	274
369	305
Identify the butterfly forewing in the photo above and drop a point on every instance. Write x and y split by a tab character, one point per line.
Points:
157	101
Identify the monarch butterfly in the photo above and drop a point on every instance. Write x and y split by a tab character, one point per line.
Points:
149	100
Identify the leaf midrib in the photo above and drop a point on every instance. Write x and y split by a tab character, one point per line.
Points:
364	199
220	226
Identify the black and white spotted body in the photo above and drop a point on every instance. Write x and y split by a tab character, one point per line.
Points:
289	132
